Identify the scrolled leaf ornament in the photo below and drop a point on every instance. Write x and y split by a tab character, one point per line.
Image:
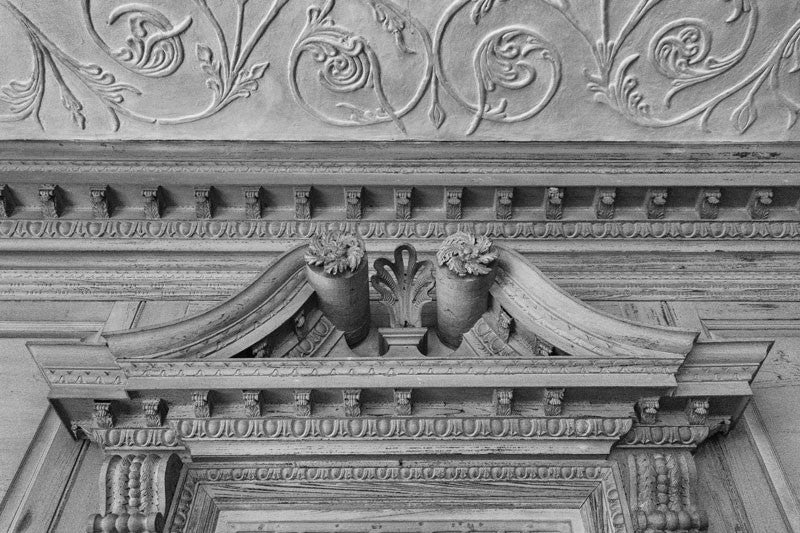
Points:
508	59
153	48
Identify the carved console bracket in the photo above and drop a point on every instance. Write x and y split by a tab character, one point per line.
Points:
708	203
101	206
201	404
697	410
138	491
354	208
253	202
553	399
604	203
352	402
402	402
252	403
50	201
503	401
103	414
647	410
655	203
6	203
152	202
758	206
452	203
403	203
154	412
504	203
554	203
302	203
302	402
203	204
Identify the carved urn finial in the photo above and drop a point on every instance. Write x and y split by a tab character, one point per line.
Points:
336	266
465	274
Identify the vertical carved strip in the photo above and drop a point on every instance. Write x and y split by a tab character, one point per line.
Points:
605	203
203	205
504	203
354	208
553	399
708	203
402	402
759	203
452	202
302	203
402	203
201	403
152	202
503	401
50	201
352	402
655	203
253	202
554	203
101	207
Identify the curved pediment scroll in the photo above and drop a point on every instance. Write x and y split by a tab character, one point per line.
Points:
545	318
239	323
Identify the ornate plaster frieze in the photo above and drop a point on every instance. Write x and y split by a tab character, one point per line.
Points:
379	70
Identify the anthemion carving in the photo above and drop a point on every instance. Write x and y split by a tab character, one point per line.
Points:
404	286
403	203
759	204
504	203
101	207
302	203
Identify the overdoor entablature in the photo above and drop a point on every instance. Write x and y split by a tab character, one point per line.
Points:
269	373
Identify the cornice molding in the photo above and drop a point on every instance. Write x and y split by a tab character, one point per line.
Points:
517	163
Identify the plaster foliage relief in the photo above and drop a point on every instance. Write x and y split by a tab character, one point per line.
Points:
394	69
